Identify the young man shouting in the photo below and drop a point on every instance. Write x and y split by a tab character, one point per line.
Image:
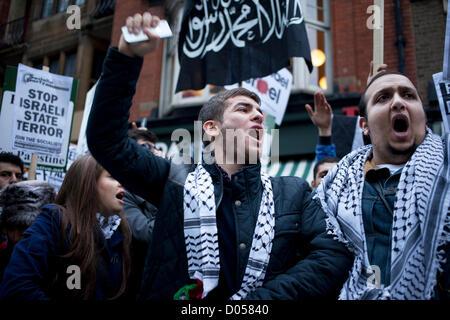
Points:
389	201
223	229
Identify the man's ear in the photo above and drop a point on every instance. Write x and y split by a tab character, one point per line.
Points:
212	128
364	126
313	185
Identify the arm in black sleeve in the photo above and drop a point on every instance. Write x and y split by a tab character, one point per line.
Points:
321	274
137	169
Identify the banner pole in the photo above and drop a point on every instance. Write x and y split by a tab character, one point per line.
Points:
378	38
269	124
33	167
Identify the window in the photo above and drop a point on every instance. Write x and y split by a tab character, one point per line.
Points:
47	8
317	18
38	64
62	5
70	64
54	63
50	7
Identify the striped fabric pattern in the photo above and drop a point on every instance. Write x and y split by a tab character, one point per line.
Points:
200	232
420	223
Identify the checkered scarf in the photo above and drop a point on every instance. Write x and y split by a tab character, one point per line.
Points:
200	234
108	225
420	227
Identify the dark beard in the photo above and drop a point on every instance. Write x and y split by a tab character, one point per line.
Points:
409	151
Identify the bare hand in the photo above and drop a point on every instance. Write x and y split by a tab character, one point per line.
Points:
321	116
158	153
382	67
134	25
135	127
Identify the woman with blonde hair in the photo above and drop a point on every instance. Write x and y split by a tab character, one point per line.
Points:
78	247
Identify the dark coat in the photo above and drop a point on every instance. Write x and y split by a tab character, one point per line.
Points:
37	270
305	261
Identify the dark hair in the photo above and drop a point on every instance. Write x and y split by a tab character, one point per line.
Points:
362	102
9	157
322	161
79	201
146	135
214	108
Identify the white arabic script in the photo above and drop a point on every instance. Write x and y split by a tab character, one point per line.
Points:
213	23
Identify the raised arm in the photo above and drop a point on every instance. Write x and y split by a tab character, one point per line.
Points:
321	117
134	167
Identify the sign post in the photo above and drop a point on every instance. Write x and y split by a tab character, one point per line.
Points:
378	37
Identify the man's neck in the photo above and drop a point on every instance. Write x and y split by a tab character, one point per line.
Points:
230	168
392	158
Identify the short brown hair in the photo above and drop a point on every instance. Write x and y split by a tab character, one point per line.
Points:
214	108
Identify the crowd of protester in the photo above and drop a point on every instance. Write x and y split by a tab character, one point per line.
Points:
129	223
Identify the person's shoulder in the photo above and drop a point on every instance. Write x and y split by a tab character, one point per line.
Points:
131	197
50	212
291	184
291	180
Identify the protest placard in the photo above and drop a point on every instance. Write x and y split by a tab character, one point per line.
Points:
442	81
443	93
82	147
274	91
37	117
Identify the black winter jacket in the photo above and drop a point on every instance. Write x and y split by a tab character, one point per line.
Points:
305	261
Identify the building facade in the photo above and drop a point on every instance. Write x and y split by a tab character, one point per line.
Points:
35	33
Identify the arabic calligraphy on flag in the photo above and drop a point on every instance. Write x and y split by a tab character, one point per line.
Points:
225	42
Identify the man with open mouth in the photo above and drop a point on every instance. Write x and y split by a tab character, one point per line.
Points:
223	230
389	201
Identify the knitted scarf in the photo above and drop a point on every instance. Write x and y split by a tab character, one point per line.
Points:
420	227
108	225
200	232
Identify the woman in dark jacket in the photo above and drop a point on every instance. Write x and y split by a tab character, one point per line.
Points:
77	248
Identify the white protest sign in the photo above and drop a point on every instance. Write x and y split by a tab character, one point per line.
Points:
442	81
274	91
43	112
443	93
6	116
56	176
82	147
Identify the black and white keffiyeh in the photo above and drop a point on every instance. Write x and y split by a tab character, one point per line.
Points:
108	225
421	221
200	232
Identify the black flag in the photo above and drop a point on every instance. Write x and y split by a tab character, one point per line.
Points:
224	42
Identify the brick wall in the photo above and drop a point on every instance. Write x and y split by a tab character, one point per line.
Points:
148	86
353	42
352	45
429	32
4	9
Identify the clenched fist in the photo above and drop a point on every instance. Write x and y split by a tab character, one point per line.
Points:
134	25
